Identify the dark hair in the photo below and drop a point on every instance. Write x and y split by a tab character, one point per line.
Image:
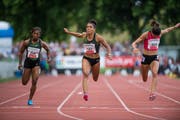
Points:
155	28
36	28
93	22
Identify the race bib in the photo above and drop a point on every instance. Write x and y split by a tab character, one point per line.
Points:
33	52
89	48
153	44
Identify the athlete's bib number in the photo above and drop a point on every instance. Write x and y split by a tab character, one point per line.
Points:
89	48
153	44
33	52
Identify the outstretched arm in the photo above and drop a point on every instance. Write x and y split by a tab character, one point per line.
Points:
170	28
76	34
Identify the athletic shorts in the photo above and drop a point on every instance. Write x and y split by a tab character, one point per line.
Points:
92	61
28	63
148	59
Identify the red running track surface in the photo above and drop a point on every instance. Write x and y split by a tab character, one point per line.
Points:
110	98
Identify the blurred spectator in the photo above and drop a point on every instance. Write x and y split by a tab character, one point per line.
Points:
167	64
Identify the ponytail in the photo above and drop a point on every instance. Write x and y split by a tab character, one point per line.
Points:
154	23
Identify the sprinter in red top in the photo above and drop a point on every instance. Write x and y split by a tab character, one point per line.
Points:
151	43
150	59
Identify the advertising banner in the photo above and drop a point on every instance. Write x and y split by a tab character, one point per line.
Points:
68	62
122	61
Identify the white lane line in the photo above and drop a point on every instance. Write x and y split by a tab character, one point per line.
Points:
12	99
126	107
25	107
160	94
22	95
132	108
20	107
65	100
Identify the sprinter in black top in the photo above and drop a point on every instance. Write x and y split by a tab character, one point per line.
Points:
32	54
91	47
91	58
32	46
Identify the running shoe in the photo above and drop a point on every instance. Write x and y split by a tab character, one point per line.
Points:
152	96
30	102
85	97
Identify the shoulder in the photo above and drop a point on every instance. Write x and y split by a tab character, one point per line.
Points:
99	37
145	35
44	44
26	42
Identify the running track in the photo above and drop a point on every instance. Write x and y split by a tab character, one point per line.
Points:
111	98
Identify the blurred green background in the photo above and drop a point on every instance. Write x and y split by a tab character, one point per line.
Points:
117	20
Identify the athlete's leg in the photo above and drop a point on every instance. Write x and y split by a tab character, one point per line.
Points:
154	66
86	68
26	76
35	76
95	71
144	72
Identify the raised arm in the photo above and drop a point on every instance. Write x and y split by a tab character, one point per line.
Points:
76	34
170	29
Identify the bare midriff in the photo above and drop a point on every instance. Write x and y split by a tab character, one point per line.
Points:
95	55
148	52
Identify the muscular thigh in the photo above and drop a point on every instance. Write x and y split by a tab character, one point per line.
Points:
86	67
35	72
26	74
154	66
95	69
144	69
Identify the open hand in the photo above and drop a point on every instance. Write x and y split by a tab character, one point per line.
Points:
49	60
66	30
177	25
136	51
20	67
109	56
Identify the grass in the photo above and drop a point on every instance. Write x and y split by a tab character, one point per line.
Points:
3	80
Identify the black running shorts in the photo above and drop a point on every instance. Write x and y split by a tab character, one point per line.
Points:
148	59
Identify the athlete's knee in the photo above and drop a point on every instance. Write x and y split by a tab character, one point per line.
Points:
85	75
95	79
24	82
154	74
144	78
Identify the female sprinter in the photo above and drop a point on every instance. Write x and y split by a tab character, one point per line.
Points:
91	58
150	58
32	46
